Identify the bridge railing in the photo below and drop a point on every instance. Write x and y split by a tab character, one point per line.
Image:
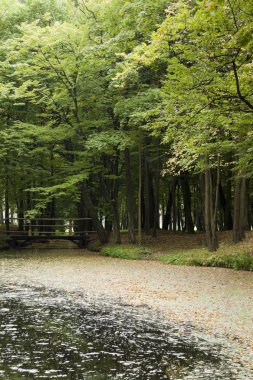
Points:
46	227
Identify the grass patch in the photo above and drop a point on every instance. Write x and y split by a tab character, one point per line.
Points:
128	252
223	258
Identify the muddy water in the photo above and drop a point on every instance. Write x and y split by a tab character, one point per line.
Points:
49	333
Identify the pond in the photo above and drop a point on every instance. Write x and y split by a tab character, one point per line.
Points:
48	334
71	314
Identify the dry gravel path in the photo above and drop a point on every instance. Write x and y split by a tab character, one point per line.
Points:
214	300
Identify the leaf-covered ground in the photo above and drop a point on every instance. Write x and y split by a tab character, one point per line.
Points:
187	249
216	302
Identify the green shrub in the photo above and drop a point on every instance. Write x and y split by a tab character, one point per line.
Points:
201	257
130	252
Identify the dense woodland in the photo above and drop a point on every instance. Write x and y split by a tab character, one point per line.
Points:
136	114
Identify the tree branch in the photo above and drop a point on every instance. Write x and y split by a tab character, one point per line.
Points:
88	10
233	14
240	96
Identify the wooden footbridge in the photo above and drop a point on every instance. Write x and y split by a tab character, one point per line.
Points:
23	230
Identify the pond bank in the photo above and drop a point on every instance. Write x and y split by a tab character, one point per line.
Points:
188	249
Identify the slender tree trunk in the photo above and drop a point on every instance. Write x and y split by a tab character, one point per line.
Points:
207	210
152	206
139	196
251	213
157	194
186	191
167	221
1	213
114	202
247	223
12	215
228	211
163	208
174	207
239	210
110	191
179	213
115	221
211	210
80	225
167	215
201	203
215	207
94	215
7	206
111	198
146	195
108	225
225	205
20	213
129	198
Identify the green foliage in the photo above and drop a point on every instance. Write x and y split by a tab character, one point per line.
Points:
207	82
82	81
201	257
129	252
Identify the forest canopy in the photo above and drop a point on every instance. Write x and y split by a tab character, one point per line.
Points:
132	113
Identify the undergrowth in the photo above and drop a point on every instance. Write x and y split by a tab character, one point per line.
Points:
130	252
201	257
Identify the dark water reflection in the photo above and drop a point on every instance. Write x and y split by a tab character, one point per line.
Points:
49	335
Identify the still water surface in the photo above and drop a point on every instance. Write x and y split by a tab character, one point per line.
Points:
51	334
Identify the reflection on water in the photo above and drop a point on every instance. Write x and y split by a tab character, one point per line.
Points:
49	335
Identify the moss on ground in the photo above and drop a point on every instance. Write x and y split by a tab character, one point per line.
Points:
225	257
129	252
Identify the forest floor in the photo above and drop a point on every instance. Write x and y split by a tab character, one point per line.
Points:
187	249
172	241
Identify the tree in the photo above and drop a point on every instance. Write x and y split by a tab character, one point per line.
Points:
207	91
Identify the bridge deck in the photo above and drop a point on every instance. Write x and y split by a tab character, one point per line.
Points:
36	230
81	241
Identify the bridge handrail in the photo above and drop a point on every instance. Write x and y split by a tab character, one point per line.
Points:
67	219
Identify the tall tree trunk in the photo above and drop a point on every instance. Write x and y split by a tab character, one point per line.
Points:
247	223
129	198
239	209
157	193
94	215
108	225
20	207
167	215
7	206
28	208
174	207
80	225
186	191
201	203
251	213
167	222
211	209
114	202
146	195
152	206
111	198
140	192
1	212
142	203
226	207
115	221
179	213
